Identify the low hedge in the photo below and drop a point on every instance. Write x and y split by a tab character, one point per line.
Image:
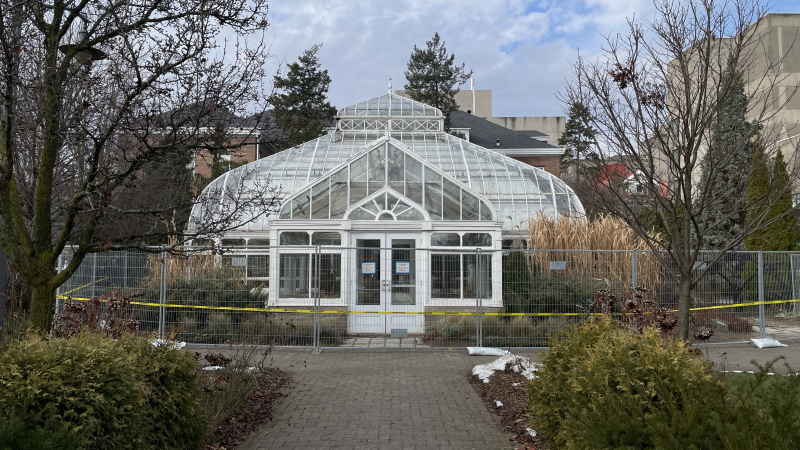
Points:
25	430
606	386
120	394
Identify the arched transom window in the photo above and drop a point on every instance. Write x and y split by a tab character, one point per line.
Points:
386	205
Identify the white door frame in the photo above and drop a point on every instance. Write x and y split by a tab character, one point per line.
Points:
384	323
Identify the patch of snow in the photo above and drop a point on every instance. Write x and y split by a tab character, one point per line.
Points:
767	343
515	384
249	369
739	371
531	431
171	344
486	351
519	364
498	403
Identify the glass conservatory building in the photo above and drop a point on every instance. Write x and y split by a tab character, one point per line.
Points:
399	208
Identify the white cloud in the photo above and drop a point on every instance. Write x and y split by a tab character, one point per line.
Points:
520	50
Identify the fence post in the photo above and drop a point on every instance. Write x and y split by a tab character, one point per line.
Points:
58	293
94	275
762	332
634	271
479	298
162	297
318	285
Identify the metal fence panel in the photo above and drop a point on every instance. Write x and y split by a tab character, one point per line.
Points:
386	291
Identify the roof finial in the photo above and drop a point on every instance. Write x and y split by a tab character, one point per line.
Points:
390	85
472	88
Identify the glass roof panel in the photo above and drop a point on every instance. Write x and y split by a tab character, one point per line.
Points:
389	105
523	190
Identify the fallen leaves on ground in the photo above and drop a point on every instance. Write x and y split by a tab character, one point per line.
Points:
508	387
235	430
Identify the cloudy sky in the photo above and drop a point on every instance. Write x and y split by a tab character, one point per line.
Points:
521	50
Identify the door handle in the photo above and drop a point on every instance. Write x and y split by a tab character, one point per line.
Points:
385	285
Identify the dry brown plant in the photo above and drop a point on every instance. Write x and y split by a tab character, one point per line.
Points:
552	238
187	267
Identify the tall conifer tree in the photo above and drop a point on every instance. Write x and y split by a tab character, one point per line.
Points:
434	78
757	191
301	108
730	136
578	137
784	234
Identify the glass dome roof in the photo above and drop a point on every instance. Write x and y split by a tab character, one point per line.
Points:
389	105
516	190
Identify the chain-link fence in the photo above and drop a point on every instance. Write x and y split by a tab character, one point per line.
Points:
386	292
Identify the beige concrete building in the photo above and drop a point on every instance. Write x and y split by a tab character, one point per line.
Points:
532	140
771	70
481	106
781	57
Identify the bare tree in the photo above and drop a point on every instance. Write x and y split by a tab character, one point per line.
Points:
98	97
654	95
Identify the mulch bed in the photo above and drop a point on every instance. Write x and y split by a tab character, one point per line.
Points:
509	388
735	324
234	431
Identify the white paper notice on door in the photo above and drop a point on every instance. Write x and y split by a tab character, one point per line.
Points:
402	267
367	268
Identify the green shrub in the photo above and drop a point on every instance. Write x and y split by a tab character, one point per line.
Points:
527	290
218	288
764	411
521	331
604	386
20	431
120	394
451	330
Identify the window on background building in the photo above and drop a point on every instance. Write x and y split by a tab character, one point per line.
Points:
456	273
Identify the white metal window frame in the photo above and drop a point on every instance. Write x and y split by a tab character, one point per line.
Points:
382	141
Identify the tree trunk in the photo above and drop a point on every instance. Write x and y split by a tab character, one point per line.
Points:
684	304
43	303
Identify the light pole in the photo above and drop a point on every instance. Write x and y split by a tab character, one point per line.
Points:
88	54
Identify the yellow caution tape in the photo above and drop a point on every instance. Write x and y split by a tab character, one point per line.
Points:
737	305
425	313
81	287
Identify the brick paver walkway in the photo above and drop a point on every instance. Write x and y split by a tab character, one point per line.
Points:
384	342
381	399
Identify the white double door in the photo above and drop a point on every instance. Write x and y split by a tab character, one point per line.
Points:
386	278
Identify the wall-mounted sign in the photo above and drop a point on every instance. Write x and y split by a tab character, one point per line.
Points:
402	267
239	261
558	265
368	268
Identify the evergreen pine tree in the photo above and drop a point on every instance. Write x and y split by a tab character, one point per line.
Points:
728	156
301	109
758	186
784	234
517	283
577	138
434	78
